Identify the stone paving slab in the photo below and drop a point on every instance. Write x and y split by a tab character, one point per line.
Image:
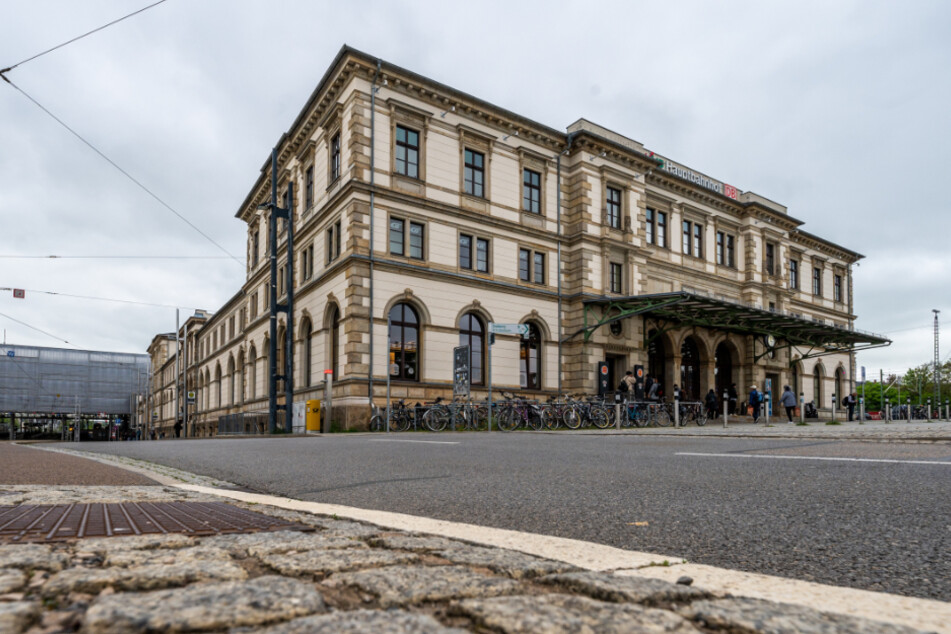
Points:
404	585
754	616
213	606
557	613
11	580
416	543
32	556
38	494
609	587
130	558
360	622
277	542
150	577
136	542
17	616
322	562
506	562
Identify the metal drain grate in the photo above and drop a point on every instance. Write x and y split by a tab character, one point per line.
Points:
59	522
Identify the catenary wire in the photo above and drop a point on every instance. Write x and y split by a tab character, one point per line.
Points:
122	171
23	323
100	299
79	37
115	257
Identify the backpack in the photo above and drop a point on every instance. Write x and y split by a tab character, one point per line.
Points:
622	386
845	401
755	398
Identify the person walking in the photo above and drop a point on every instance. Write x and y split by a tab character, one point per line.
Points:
755	399
788	400
733	397
711	400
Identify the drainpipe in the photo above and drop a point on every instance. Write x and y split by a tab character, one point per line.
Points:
373	89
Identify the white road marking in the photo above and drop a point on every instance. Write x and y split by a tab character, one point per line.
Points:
428	442
736	455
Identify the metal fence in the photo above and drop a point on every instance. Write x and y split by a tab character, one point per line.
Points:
244	423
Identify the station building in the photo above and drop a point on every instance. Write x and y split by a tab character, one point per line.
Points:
422	214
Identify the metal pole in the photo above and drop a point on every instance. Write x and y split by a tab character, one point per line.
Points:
929	410
185	381
676	407
617	414
937	362
726	407
388	373
833	406
326	408
178	385
909	408
272	301
289	337
861	410
766	407
489	424
802	408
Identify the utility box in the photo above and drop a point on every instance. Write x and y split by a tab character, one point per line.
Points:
312	416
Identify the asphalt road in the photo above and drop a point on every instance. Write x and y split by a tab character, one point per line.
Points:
880	523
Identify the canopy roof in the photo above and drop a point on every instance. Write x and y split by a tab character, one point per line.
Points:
684	309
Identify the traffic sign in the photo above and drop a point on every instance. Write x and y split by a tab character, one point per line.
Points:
509	329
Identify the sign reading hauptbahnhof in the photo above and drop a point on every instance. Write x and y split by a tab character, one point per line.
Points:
699	179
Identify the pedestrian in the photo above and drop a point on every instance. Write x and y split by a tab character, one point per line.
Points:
648	385
788	400
628	383
178	428
755	399
654	392
850	403
711	404
733	396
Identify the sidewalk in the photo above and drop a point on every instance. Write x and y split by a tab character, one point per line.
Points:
354	570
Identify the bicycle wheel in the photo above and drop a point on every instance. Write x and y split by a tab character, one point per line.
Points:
636	416
377	423
600	418
436	418
661	417
571	417
480	416
534	419
507	419
401	421
701	419
550	417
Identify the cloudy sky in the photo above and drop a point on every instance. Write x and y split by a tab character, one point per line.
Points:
839	110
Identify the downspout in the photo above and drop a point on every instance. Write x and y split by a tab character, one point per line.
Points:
376	75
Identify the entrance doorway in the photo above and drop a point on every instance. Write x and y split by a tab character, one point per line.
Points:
775	390
723	364
690	370
616	369
657	359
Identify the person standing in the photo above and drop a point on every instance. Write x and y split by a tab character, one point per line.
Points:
755	399
788	400
711	400
654	392
733	397
850	403
630	383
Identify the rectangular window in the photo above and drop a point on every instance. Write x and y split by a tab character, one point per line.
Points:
254	305
661	238
651	230
416	235
333	242
255	247
397	230
837	288
465	251
309	187
524	265
539	268
335	158
615	277
482	255
614	207
794	274
817	281
474	176
231	327
686	238
531	191
770	259
721	238
698	241
407	152
730	252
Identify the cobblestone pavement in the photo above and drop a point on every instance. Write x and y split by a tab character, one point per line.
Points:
345	576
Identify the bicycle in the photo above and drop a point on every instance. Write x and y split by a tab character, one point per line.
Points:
518	411
401	418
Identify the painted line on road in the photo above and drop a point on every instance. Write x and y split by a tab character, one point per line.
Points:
425	442
736	455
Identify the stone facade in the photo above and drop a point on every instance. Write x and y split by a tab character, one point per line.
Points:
477	215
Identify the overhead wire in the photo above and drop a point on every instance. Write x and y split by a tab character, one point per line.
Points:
100	299
79	37
48	334
115	257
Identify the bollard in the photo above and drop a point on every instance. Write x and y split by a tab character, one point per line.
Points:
947	410
833	407
929	411
766	396
617	411
888	411
676	408
861	410
802	408
909	409
726	406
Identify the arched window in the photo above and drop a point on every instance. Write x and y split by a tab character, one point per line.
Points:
472	334
239	374
335	342
839	381
529	359
690	370
307	330
404	343
817	385
218	386
252	374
